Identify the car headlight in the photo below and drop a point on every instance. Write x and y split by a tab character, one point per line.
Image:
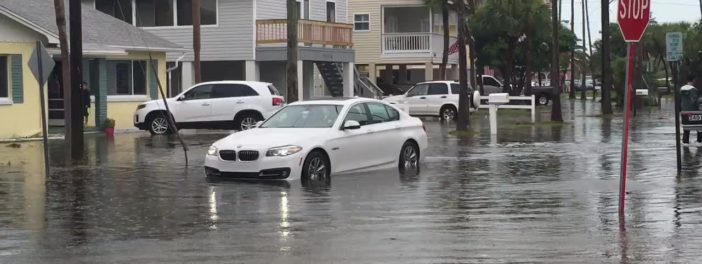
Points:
141	106
212	151
283	151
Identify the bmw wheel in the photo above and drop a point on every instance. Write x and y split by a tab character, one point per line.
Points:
316	169
409	157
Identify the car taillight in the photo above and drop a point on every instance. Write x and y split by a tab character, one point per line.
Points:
278	101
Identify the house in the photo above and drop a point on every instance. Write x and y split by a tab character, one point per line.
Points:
117	59
400	42
246	40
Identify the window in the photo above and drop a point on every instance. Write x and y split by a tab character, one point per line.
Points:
120	9
490	81
437	89
331	11
4	78
126	78
208	12
232	90
304	116
456	89
379	113
420	89
273	90
358	113
361	22
199	93
154	13
393	114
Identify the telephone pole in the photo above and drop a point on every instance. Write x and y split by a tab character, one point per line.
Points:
74	137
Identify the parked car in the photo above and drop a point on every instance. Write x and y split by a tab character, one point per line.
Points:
436	98
543	94
212	105
313	140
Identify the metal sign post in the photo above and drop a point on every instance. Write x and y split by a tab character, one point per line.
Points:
633	17
41	64
674	53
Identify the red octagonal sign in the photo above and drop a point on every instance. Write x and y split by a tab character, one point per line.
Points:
633	17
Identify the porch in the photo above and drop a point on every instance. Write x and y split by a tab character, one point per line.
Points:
414	31
274	32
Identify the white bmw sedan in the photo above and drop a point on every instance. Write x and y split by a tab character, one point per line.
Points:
312	140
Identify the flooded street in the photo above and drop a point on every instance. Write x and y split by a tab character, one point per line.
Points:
535	193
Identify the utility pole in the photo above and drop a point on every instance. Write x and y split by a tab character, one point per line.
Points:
584	65
196	39
74	98
606	73
463	108
291	65
589	44
571	92
556	115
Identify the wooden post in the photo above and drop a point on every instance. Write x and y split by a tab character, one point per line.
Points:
75	118
196	40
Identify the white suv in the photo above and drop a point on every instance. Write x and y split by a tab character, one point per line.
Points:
437	98
235	105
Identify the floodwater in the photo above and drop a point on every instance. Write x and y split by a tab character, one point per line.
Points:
541	193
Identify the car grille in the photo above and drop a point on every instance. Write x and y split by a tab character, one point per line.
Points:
227	155
248	155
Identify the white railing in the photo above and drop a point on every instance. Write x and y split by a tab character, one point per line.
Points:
531	106
407	42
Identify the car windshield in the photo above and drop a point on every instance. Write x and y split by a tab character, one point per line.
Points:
304	116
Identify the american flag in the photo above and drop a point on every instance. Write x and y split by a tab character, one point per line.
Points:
453	48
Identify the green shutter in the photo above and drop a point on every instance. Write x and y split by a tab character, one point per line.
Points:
153	87
16	76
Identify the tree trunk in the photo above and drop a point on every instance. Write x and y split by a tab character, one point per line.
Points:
571	94
606	73
65	61
589	33
472	56
291	67
196	40
556	114
509	65
584	64
444	58
527	62
667	75
463	111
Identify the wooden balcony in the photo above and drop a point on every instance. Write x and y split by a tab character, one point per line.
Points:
275	31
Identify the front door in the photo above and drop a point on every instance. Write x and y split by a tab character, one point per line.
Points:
194	105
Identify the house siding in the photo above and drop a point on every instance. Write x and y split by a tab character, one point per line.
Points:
368	45
231	39
277	9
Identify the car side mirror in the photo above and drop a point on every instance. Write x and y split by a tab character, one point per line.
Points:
351	125
181	98
259	123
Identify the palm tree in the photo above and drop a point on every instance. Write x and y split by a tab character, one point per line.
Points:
291	66
195	9
444	6
463	121
606	73
556	114
63	43
571	94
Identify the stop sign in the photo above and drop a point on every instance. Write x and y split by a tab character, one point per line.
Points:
633	17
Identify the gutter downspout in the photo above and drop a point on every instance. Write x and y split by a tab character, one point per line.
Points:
169	70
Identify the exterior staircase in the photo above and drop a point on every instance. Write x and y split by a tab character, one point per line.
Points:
332	74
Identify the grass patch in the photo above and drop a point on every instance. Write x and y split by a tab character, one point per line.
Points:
464	134
538	124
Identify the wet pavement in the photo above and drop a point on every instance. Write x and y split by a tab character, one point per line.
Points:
542	193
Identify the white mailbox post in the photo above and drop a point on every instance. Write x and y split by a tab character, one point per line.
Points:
495	100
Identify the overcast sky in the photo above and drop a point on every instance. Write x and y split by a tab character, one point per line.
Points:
661	11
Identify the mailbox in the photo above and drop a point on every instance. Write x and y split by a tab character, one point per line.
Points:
642	92
498	98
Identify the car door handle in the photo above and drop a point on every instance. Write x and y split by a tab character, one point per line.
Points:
205	104
443	96
240	102
422	97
